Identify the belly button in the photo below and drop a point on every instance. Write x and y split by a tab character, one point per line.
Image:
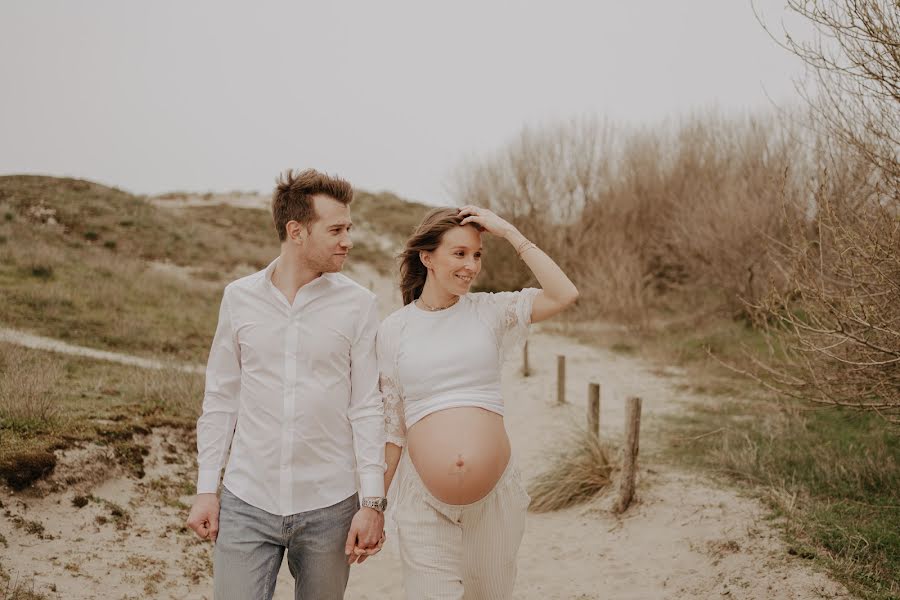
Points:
459	472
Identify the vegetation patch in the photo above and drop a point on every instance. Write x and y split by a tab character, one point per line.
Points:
58	276
831	475
576	475
28	526
170	490
93	401
119	516
131	456
21	470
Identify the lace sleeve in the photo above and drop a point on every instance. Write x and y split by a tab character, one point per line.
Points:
516	318
508	314
394	421
391	394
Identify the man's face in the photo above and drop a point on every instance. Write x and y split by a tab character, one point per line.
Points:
328	240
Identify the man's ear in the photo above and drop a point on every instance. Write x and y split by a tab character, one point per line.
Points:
296	232
425	258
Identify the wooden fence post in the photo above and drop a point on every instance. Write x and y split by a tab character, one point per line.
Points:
561	379
593	408
629	460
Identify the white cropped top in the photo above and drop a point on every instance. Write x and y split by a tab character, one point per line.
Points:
431	361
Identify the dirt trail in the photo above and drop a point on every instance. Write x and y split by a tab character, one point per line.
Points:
685	538
30	340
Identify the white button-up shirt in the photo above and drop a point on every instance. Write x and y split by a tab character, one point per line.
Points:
292	389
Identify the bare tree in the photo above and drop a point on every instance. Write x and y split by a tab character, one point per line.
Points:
677	210
838	323
854	67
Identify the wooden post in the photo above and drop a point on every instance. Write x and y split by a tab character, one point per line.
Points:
593	408
561	379
525	370
629	460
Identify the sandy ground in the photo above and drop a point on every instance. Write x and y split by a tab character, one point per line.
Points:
684	538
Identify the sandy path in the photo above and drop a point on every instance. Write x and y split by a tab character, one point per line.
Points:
686	537
38	342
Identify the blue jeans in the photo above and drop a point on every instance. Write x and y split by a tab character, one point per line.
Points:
251	545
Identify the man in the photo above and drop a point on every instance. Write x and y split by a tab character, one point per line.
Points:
292	390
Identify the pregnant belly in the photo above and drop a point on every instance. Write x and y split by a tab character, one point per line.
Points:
459	453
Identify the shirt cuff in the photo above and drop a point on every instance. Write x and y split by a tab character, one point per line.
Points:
208	481
371	485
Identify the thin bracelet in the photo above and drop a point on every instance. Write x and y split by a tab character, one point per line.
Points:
523	248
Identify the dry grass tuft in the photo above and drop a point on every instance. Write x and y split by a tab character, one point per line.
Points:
20	592
170	393
28	381
577	475
13	587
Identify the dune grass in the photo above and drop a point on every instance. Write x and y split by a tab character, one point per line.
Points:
76	265
105	302
578	473
387	214
92	401
79	262
99	267
831	475
75	214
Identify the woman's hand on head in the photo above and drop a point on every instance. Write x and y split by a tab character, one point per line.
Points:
486	219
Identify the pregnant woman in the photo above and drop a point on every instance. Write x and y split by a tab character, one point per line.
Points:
459	501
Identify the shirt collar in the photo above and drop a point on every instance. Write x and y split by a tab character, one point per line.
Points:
315	283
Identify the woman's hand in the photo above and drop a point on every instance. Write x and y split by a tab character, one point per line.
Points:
487	220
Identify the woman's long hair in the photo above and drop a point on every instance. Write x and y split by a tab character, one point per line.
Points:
427	238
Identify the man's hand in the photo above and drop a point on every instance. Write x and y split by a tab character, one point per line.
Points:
204	517
365	536
362	555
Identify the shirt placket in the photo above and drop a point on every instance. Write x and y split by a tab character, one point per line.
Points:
289	405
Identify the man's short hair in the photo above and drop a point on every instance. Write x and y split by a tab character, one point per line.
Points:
292	199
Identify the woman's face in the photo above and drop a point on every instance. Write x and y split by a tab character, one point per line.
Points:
457	260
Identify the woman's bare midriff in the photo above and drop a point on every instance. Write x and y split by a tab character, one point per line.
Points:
459	453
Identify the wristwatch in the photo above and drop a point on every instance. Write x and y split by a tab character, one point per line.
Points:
378	504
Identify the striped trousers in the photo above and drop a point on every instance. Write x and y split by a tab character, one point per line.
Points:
459	552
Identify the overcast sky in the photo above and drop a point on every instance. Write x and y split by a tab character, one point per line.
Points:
213	95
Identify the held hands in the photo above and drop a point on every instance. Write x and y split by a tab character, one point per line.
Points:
204	517
366	535
487	220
